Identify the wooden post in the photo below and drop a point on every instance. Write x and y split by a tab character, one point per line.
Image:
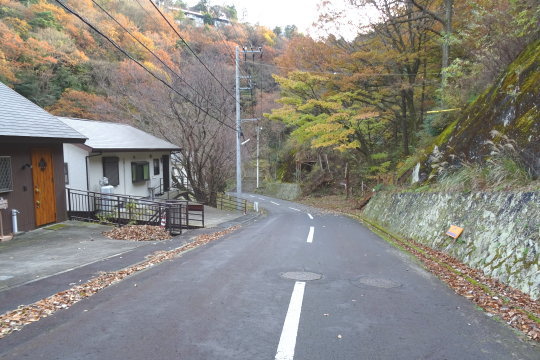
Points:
347	180
203	216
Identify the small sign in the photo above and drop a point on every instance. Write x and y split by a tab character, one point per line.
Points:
454	231
3	204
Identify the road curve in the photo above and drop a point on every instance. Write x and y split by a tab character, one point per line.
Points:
294	284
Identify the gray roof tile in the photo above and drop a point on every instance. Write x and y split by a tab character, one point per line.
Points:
21	117
112	136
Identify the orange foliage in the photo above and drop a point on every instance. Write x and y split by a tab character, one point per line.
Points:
78	104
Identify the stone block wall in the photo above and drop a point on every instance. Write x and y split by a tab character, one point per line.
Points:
501	230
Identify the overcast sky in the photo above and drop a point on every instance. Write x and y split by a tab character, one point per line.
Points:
272	13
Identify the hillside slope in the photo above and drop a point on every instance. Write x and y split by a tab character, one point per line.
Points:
504	119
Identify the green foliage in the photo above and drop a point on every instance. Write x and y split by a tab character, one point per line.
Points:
6	11
45	19
201	6
29	2
45	91
208	19
31	86
230	12
291	31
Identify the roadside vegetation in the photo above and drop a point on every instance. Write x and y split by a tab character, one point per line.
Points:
443	85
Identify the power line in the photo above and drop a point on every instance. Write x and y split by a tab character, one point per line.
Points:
332	72
224	41
119	48
190	49
159	59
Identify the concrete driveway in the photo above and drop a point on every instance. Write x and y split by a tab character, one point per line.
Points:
55	249
69	245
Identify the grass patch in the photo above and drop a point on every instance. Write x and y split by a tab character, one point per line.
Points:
56	227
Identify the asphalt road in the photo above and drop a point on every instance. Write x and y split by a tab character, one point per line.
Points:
229	300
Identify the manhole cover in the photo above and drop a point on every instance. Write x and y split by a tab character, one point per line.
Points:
376	282
301	275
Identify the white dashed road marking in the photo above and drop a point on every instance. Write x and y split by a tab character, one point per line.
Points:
310	235
287	341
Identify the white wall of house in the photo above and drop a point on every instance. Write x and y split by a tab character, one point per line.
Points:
76	159
126	186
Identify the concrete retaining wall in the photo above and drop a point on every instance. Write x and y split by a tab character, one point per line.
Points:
501	236
285	191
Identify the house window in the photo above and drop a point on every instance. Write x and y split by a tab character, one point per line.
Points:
110	170
156	166
140	171
6	181
66	173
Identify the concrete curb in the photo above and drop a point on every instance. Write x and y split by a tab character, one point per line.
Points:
35	290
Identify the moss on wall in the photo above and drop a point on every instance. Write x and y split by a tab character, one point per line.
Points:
511	107
501	236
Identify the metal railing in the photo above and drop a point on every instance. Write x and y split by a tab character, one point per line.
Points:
174	215
230	202
157	190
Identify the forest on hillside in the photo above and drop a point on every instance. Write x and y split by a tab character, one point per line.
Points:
334	109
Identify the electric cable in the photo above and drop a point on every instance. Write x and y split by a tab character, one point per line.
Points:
128	55
191	50
160	60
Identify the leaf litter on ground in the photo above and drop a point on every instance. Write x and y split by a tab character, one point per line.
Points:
516	308
15	320
138	233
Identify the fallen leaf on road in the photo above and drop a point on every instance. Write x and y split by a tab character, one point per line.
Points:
16	319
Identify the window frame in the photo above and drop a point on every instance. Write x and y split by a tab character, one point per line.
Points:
110	160
140	171
157	170
9	183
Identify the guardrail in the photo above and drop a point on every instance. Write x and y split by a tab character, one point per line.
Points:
174	215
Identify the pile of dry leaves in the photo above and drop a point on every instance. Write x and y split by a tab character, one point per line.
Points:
518	309
25	314
138	233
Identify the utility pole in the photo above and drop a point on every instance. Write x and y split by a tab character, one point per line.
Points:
238	128
239	120
258	131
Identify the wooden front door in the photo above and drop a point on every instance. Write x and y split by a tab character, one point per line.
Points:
43	178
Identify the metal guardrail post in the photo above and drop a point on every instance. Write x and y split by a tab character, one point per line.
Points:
118	210
168	218
180	217
203	216
187	215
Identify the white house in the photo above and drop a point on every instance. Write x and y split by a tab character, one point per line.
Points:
134	162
